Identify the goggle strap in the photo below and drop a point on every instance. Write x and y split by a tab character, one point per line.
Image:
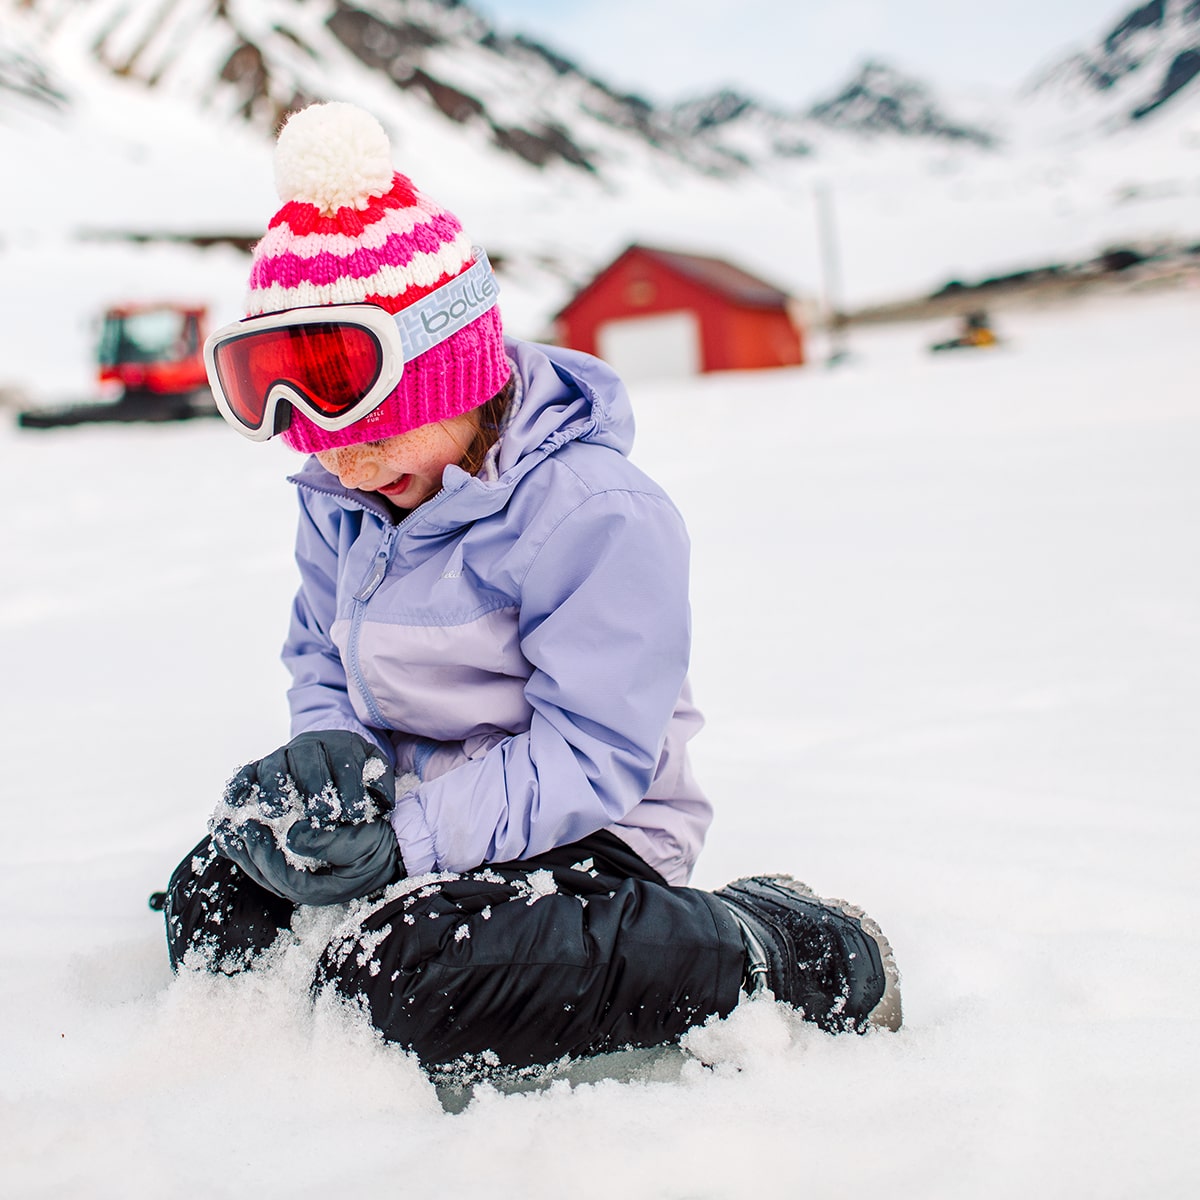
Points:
441	314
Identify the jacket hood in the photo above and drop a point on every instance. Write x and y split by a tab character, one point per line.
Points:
565	396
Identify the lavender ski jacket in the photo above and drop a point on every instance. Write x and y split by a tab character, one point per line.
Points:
519	643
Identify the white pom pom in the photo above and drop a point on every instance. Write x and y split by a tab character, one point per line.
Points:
334	156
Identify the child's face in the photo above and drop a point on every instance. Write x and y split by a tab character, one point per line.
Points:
407	469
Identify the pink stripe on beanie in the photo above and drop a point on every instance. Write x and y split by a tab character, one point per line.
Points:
352	231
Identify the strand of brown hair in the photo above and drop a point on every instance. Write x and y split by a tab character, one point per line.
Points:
491	420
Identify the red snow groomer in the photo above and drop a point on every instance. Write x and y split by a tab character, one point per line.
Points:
150	367
157	349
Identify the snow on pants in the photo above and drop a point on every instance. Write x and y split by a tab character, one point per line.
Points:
577	951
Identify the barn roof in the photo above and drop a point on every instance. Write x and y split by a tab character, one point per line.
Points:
713	273
719	275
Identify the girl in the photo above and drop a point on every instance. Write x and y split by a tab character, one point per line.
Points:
488	652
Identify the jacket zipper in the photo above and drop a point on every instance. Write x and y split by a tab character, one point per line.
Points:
379	567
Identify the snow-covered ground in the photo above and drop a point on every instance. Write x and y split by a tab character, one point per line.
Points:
947	636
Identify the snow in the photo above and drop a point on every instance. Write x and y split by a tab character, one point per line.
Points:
946	638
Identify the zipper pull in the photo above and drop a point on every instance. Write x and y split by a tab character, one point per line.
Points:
378	568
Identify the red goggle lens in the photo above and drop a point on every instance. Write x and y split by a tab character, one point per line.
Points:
332	366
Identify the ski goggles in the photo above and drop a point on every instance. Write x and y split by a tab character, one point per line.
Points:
334	363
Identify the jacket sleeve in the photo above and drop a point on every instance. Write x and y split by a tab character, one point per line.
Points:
318	696
605	624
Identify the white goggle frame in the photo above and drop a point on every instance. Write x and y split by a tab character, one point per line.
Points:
400	337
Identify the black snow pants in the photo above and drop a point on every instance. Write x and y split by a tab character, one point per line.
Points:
577	951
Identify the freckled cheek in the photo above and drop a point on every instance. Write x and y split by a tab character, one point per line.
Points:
422	452
350	464
425	452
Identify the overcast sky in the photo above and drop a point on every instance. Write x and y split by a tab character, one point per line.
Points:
795	51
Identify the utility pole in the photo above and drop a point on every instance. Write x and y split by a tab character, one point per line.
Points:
835	318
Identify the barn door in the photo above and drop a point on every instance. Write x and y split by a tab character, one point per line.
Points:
656	346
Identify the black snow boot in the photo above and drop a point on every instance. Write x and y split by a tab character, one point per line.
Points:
825	957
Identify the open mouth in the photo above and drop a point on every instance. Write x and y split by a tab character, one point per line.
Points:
396	486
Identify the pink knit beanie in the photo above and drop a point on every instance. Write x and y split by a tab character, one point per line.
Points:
351	230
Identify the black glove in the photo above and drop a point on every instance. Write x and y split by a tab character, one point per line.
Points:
309	821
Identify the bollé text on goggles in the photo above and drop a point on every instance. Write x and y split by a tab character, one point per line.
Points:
334	362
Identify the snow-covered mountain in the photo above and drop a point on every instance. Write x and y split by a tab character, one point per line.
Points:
881	99
25	77
1144	67
1150	58
154	119
877	102
260	59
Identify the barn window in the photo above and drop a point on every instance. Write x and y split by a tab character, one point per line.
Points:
640	292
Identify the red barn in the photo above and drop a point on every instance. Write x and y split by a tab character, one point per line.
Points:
657	312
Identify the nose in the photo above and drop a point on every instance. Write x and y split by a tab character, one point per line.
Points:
354	466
